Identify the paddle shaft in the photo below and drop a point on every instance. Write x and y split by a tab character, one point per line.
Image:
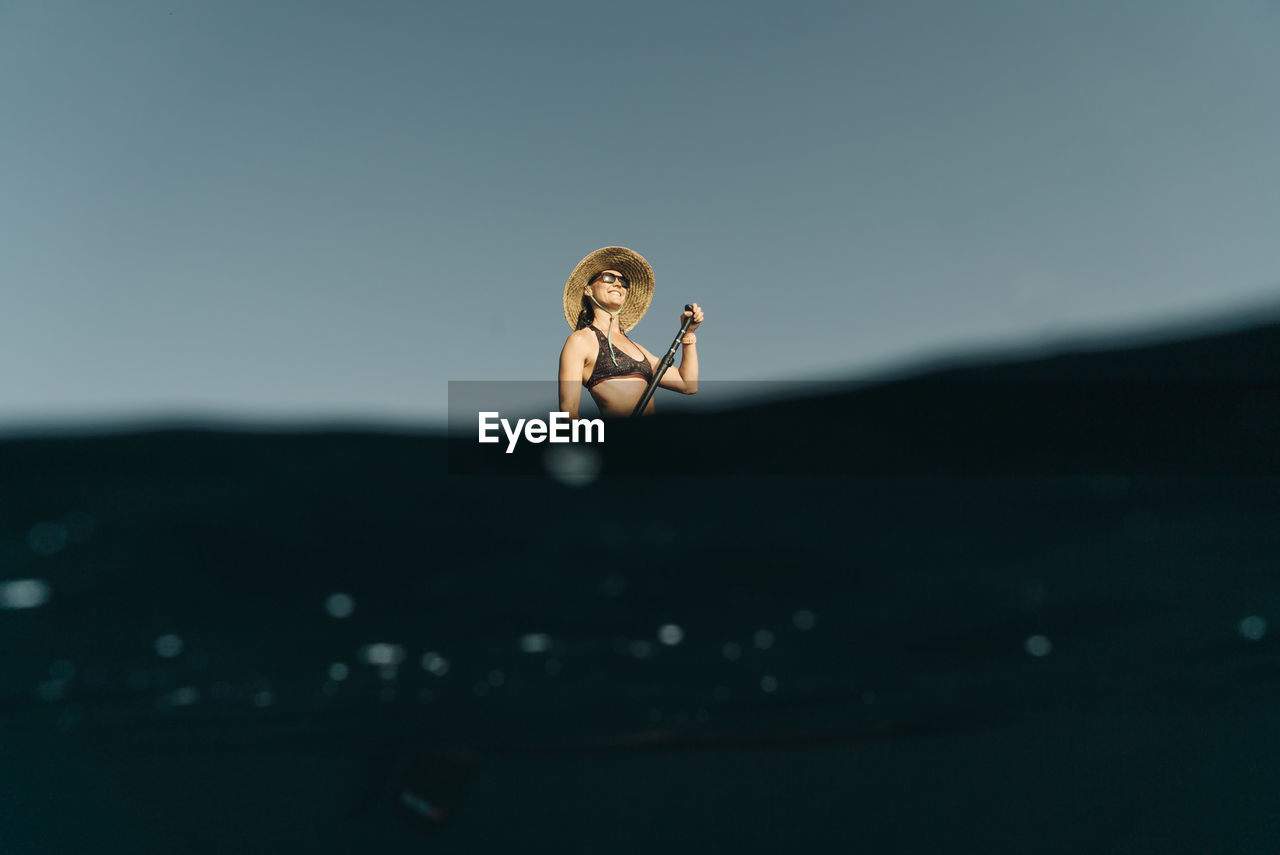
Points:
664	364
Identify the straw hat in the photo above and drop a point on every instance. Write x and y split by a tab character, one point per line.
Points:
630	264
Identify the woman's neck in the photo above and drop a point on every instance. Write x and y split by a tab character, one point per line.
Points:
602	319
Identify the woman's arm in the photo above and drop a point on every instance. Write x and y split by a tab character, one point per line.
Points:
685	377
573	358
689	363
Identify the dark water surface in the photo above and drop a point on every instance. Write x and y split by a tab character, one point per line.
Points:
1029	607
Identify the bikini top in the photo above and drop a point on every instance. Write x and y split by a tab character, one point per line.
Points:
626	367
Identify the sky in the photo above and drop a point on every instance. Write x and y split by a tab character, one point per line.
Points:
299	211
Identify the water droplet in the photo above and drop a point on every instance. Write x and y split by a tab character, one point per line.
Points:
47	538
24	593
1253	628
804	620
436	664
670	634
732	651
641	649
535	642
769	684
339	671
1038	645
340	605
573	465
168	646
181	697
382	653
764	639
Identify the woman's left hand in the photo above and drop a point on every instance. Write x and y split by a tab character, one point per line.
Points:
697	317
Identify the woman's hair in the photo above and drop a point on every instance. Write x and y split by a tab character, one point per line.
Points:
587	315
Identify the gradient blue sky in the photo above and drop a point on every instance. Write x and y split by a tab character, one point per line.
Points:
281	210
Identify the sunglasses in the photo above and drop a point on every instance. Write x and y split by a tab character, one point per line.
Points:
610	278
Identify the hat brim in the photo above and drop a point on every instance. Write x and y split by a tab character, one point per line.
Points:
630	264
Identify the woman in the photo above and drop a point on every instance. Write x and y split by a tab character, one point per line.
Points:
606	295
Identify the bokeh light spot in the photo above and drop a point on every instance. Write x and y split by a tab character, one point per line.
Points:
670	634
47	538
641	649
24	593
382	653
535	642
181	697
1253	628
573	465
168	646
434	663
340	605
1038	645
